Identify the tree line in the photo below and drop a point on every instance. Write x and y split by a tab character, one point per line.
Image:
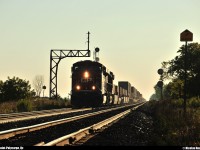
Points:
16	88
174	73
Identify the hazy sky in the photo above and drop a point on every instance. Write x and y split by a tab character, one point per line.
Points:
134	37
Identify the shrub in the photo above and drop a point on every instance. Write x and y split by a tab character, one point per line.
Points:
194	102
24	105
177	102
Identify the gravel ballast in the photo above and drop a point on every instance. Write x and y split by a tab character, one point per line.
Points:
133	130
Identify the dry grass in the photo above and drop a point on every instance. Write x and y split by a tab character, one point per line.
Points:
8	107
34	103
172	128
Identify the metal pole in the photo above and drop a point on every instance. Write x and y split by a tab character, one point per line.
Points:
50	74
161	76
161	93
185	79
88	40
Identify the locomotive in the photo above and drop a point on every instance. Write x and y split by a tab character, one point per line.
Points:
92	86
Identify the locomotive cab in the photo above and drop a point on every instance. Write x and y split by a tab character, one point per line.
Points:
86	84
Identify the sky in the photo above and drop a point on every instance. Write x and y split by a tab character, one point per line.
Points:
134	37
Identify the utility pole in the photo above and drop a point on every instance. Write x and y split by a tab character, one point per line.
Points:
185	36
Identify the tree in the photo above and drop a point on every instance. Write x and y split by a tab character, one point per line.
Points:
157	94
38	84
174	70
174	89
15	89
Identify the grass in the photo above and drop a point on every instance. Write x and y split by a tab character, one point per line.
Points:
171	128
8	107
33	104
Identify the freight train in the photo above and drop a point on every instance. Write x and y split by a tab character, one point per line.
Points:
92	86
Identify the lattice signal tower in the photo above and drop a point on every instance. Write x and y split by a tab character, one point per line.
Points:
56	55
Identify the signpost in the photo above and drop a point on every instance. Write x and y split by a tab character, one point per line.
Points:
185	36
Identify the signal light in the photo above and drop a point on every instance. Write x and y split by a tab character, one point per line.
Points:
93	87
86	74
78	87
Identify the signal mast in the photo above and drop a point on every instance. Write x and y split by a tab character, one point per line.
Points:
96	54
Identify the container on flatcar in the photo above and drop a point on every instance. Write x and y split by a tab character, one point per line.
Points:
126	86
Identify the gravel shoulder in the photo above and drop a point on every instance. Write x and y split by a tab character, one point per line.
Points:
135	129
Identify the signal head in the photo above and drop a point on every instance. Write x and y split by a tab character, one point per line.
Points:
160	71
97	49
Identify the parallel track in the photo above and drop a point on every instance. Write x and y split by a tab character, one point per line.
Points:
86	133
13	117
23	131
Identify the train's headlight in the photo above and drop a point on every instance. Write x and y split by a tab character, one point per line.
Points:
93	87
78	87
86	74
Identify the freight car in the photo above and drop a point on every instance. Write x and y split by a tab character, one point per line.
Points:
92	86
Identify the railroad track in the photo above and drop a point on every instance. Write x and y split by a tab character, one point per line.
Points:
23	121
86	133
19	135
13	117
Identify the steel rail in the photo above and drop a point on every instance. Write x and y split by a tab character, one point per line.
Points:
12	117
5	118
12	132
76	136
